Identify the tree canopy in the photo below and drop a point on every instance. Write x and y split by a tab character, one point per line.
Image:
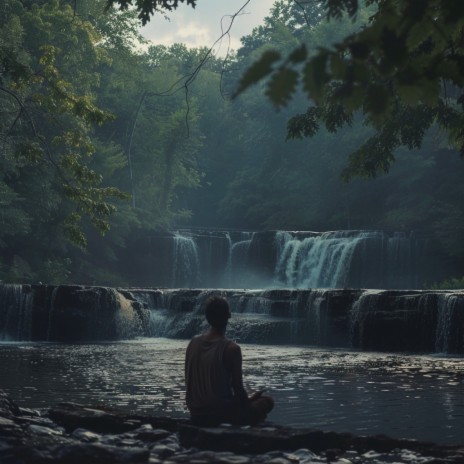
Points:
403	70
89	109
146	8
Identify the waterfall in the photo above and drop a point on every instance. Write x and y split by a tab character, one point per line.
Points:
258	316
205	259
316	318
361	311
178	314
284	259
378	320
450	330
321	261
186	265
408	321
239	268
50	312
341	259
15	312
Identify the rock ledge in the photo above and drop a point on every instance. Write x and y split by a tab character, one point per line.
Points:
72	433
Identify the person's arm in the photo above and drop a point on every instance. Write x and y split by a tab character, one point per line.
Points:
233	363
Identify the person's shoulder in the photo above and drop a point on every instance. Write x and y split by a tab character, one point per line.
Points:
233	347
196	339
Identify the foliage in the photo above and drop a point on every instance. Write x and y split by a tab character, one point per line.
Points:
403	71
454	283
147	8
49	107
63	157
113	113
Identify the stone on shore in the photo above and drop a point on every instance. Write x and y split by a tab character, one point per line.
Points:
71	433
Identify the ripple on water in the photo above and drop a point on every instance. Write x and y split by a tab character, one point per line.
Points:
418	397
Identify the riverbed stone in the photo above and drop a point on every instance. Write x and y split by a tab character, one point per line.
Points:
73	415
29	443
86	436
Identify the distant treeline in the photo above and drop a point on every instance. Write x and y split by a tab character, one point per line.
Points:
101	132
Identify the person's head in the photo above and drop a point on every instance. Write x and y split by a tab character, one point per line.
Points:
217	312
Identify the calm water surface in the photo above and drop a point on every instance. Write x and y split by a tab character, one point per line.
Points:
418	397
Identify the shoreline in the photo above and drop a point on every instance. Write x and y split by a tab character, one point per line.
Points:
71	433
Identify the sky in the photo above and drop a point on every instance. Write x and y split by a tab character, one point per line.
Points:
202	26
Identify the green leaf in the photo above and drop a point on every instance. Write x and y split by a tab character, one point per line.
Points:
359	49
258	70
337	66
281	86
298	55
304	125
417	35
315	76
376	100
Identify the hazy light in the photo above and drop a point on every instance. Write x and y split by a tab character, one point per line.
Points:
202	26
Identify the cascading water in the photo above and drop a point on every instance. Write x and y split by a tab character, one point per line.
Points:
322	261
186	265
386	320
15	312
450	324
282	259
304	292
207	259
238	267
177	315
258	316
50	312
415	321
341	259
360	313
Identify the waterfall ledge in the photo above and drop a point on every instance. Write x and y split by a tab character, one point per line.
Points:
417	321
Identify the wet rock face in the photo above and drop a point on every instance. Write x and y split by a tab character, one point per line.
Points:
69	313
382	320
77	434
377	320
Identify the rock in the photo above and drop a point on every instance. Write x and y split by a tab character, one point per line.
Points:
70	313
387	320
41	430
85	436
7	407
258	440
30	439
151	436
28	412
72	416
254	440
99	454
26	454
9	428
164	451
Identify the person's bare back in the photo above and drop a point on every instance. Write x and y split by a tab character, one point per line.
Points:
214	378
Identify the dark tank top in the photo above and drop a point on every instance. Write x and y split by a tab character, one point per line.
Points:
207	380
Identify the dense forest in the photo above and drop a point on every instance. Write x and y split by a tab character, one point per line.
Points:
106	139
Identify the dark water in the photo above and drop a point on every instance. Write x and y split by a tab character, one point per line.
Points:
418	397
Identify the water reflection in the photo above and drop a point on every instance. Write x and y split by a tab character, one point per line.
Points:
418	397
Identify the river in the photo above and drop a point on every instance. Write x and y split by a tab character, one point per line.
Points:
407	396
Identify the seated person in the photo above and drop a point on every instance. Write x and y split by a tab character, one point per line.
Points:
213	375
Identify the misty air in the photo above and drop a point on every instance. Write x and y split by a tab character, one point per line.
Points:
231	232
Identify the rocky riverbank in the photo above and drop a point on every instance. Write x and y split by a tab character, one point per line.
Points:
71	433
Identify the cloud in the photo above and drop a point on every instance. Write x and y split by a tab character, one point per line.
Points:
202	26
